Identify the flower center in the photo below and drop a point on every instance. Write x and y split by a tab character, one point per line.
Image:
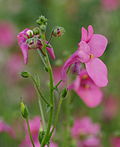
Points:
85	76
91	56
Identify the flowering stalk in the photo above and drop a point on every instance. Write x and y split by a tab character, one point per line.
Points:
51	93
25	114
39	102
28	125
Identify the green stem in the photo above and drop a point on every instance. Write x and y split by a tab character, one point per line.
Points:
57	114
58	84
51	93
40	54
67	141
39	92
31	139
40	103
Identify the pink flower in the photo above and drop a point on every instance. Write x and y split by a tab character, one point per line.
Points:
111	106
89	92
90	48
115	142
6	128
26	41
7	34
34	127
13	67
110	4
86	133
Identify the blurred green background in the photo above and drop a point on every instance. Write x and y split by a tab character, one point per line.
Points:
72	15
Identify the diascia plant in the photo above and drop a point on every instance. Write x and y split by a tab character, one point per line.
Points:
88	81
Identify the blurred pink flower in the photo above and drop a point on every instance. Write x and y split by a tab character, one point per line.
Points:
57	75
34	127
115	142
25	45
90	48
7	34
14	66
111	106
110	4
86	89
86	133
6	128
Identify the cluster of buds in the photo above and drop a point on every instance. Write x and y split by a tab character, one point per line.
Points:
42	22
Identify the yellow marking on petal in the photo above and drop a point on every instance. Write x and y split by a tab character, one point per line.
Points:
91	56
85	76
86	86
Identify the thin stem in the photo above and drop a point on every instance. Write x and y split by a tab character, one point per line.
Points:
51	93
39	92
42	114
57	114
31	139
58	84
40	103
39	52
50	38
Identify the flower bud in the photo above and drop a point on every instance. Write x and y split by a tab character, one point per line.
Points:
42	20
25	74
58	31
64	93
36	31
24	110
43	28
30	33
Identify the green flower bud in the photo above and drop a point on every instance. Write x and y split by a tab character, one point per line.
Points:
43	28
42	20
58	31
24	110
36	31
25	74
64	93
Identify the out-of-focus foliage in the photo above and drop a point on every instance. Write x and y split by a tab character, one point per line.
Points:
72	15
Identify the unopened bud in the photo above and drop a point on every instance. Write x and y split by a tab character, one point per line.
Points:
58	31
25	74
36	31
24	110
64	93
42	20
30	33
43	28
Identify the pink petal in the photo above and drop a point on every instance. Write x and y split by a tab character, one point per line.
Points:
90	32
97	70
78	56
83	46
97	45
91	96
24	49
84	34
51	52
92	142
